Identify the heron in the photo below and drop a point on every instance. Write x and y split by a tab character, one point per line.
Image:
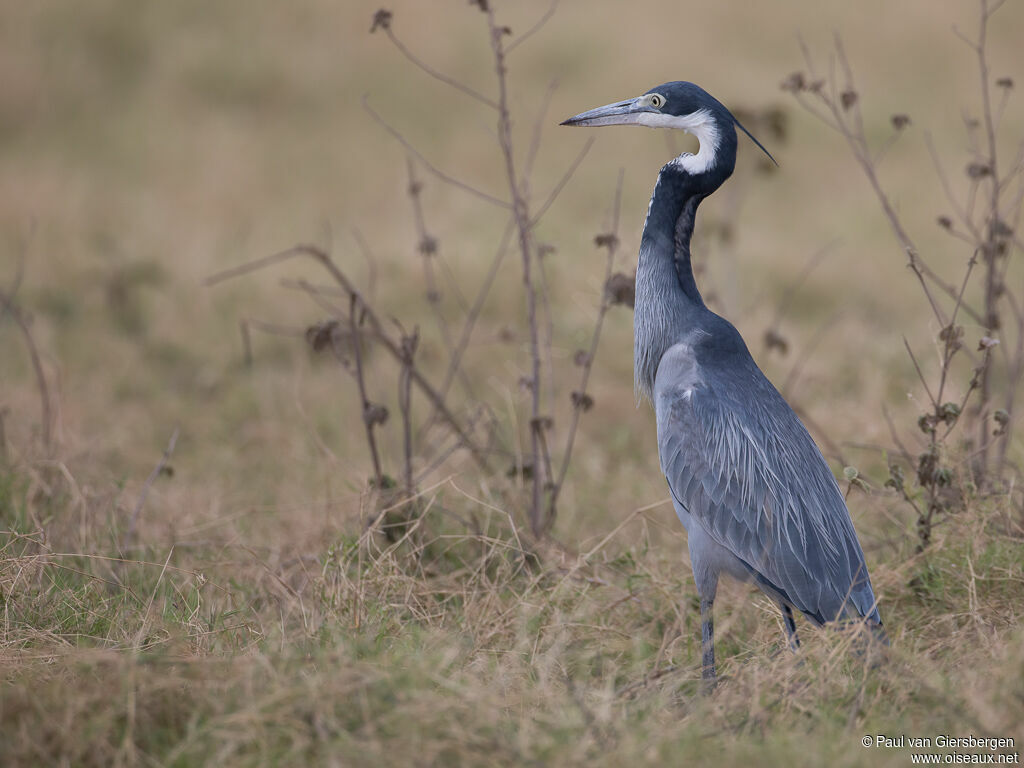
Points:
747	481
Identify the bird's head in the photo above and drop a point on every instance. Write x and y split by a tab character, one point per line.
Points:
680	105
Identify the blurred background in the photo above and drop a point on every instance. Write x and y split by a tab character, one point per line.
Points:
147	146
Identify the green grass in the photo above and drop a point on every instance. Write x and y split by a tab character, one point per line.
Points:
403	657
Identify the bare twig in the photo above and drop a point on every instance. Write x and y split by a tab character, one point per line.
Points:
159	469
427	247
538	129
920	374
9	307
455	362
610	242
977	220
409	344
557	189
852	130
368	411
371	263
534	29
366	313
430	166
520	211
420	64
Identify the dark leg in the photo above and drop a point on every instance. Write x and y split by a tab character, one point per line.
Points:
787	620
707	637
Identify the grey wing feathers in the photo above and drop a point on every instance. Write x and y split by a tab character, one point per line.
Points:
741	464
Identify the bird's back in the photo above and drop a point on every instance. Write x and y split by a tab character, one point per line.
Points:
741	465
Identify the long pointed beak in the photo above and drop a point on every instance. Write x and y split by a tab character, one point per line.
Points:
620	113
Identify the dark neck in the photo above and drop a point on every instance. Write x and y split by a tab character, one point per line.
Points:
667	298
669	228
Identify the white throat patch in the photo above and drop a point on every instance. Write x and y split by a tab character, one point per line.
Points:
701	124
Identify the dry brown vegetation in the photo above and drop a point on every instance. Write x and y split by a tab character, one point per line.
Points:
214	548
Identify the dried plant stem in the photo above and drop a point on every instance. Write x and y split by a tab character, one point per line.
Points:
430	166
8	306
611	243
521	215
367	314
354	323
989	251
457	85
409	344
428	250
979	223
536	459
455	363
161	466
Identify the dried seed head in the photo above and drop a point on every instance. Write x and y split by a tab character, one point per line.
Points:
986	342
375	413
321	335
607	240
526	469
978	170
1002	418
381	20
896	477
387	482
794	83
409	344
945	222
582	400
1001	229
581	358
481	4
1005	82
952	334
428	245
949	413
542	423
506	334
848	98
899	122
621	289
774	340
776	120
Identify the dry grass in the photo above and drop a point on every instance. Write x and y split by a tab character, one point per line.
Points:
255	619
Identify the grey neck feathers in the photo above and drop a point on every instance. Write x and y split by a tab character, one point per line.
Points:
667	299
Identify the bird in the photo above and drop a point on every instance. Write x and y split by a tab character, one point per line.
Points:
747	481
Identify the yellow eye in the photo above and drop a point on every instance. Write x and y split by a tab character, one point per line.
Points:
657	100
